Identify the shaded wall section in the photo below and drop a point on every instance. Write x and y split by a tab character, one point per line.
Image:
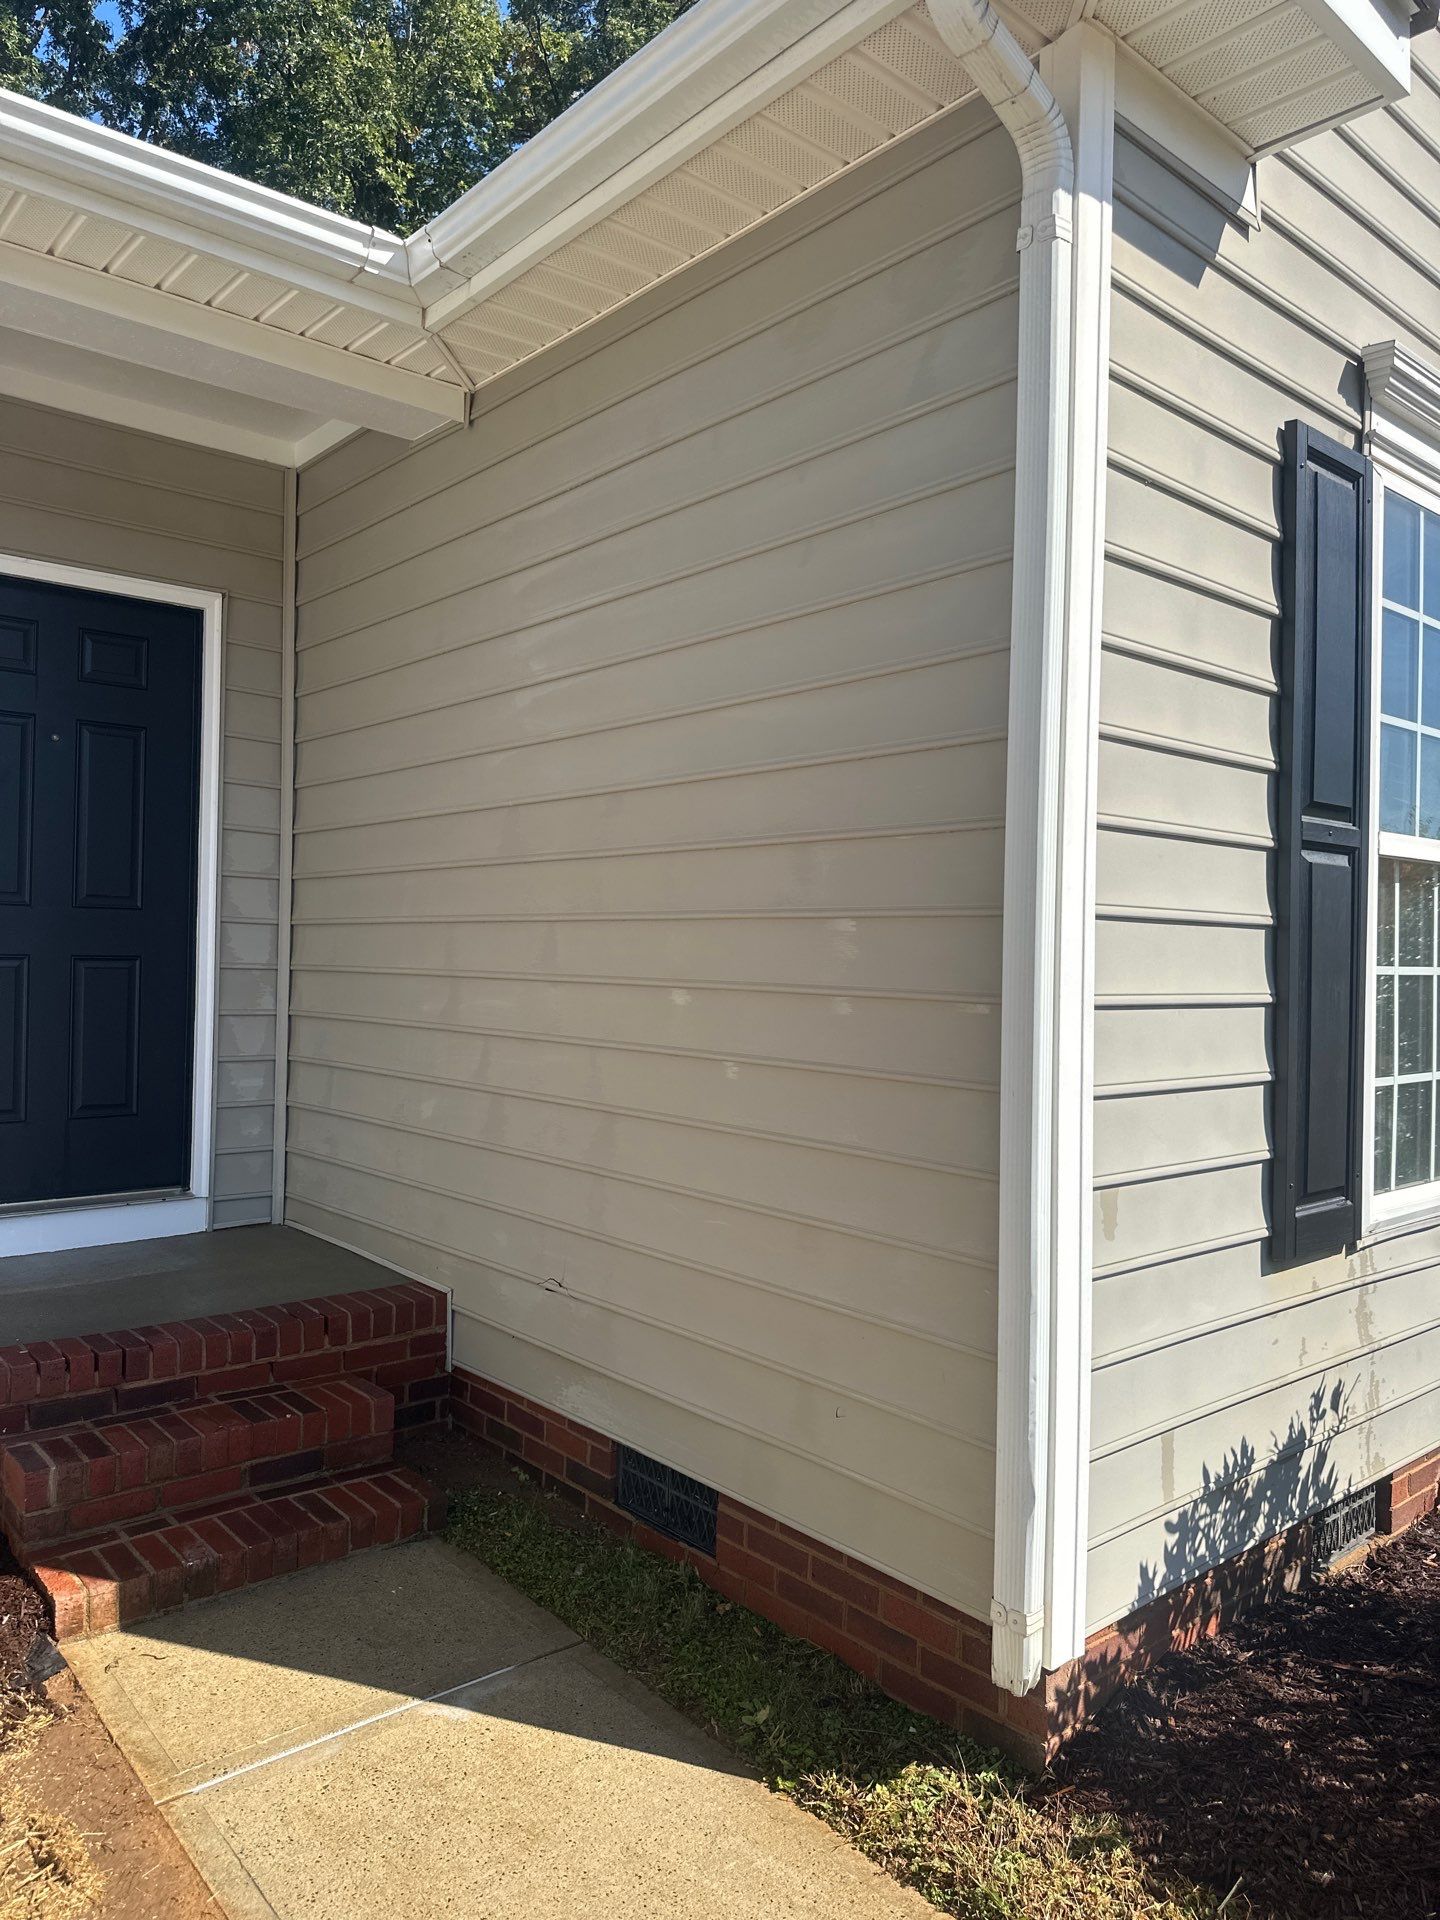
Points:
651	755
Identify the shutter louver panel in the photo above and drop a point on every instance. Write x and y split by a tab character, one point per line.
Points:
1321	876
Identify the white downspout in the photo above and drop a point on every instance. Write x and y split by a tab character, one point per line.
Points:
1031	1148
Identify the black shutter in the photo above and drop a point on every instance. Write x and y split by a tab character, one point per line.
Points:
1323	804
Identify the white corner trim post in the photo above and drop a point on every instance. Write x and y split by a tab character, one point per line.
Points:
1044	1258
285	913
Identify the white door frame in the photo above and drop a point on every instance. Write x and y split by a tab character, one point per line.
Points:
60	1225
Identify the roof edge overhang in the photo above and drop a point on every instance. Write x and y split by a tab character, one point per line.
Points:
689	86
117	176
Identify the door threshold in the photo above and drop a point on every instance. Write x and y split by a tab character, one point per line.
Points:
24	1209
110	1220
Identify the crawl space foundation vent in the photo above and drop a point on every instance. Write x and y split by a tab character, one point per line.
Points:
1345	1525
667	1500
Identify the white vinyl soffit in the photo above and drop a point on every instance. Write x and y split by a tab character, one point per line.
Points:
738	109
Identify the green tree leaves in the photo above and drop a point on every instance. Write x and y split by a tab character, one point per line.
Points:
381	109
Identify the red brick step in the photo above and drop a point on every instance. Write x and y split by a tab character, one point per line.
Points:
65	1481
165	1560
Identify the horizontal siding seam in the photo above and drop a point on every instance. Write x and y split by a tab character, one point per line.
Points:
981	736
1296	164
1120	912
1188	495
913	996
1186	749
889	1325
1192	1250
1371	1410
576	482
790	1217
750	1359
650	916
889	669
1149	389
1216	343
209	455
1227	1488
490	1090
669	296
1138	561
130	486
73	522
1244	281
728	1057
1265	1312
861	515
1191	1083
1182	1169
1210	670
1186	831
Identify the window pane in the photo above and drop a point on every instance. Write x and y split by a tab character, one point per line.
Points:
1416	886
1412	1132
1432	565
1430	785
1384	1129
1402	550
1385	914
1413	999
1384	1026
1400	668
1397	780
1430	689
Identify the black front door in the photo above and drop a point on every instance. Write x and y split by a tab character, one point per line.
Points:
99	789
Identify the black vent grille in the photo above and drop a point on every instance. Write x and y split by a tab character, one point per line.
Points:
667	1500
1345	1525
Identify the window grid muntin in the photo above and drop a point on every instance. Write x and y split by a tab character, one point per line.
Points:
1424	617
1391	971
1406	851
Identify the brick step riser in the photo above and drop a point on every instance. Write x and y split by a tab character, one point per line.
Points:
168	1562
60	1483
393	1336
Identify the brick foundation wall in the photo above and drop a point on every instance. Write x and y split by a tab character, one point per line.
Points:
918	1649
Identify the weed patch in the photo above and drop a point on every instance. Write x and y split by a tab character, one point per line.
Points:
937	1811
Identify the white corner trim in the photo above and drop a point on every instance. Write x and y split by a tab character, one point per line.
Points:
287	849
1042	1375
43	1230
1081	71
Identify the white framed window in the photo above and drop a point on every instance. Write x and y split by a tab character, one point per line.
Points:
1402	1146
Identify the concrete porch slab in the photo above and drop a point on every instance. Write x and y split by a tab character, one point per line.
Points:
293	1738
55	1296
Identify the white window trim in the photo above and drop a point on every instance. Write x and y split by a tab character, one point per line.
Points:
1406	452
113	1220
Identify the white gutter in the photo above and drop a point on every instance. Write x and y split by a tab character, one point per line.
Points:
44	150
704	75
1039	1371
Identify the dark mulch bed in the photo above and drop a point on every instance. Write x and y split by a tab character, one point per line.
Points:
1298	1755
22	1617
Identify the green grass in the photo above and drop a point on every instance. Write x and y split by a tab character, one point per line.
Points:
940	1813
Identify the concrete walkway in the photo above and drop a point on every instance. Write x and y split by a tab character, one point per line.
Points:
401	1736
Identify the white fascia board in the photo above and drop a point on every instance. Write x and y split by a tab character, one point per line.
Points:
715	67
1373	35
62	301
93	167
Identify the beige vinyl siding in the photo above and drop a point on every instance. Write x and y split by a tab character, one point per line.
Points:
648	862
86	494
1229	1399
